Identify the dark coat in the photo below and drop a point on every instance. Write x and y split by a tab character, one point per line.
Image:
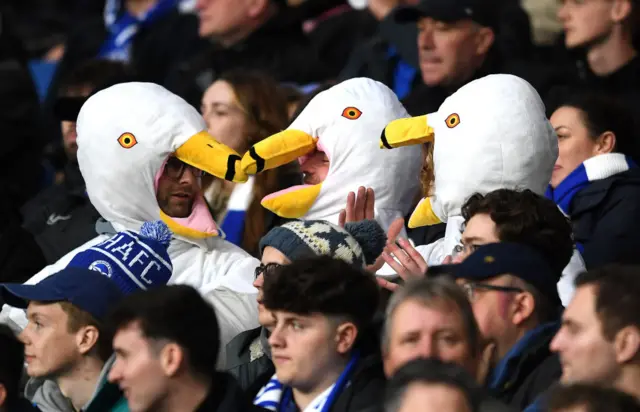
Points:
227	396
528	370
605	220
249	360
61	217
278	48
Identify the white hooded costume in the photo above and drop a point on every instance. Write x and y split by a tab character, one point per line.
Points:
125	135
345	123
491	134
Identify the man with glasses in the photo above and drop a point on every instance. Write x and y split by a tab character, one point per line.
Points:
513	294
359	244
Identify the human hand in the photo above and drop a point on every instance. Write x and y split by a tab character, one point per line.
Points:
360	206
404	259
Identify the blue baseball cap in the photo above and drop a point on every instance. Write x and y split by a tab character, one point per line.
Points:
496	259
86	289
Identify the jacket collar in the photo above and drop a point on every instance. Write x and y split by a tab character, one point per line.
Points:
530	351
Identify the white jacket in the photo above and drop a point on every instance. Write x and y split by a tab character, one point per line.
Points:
121	176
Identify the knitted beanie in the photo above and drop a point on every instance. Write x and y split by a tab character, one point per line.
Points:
359	243
134	261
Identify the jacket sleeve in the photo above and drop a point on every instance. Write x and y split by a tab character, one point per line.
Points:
616	232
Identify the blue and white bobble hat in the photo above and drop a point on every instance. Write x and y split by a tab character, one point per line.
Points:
134	261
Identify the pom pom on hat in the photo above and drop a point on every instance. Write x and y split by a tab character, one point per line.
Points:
370	236
157	231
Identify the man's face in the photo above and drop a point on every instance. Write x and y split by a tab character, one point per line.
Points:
429	397
450	52
303	350
50	348
138	370
69	137
493	310
585	353
314	167
271	259
418	331
68	127
480	230
222	18
585	21
178	187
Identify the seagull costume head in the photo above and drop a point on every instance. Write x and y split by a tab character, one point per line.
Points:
126	133
344	122
491	134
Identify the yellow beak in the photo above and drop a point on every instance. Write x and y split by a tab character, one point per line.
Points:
205	153
277	150
406	132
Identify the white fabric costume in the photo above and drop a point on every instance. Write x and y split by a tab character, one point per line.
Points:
491	134
125	135
345	123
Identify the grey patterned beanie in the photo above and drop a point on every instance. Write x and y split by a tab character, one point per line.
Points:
359	243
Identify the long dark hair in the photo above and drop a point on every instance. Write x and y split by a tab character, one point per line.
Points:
266	110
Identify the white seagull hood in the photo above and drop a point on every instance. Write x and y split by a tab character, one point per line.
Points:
491	134
125	135
345	123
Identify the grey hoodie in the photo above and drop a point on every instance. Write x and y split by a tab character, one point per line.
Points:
46	394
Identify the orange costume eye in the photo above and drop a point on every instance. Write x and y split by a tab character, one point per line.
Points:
453	120
127	140
351	113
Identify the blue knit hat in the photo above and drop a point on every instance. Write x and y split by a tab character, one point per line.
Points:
359	243
134	261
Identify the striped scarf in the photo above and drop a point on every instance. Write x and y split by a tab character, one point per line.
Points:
277	397
593	169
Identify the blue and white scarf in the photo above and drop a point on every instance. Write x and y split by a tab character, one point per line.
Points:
276	397
234	219
122	27
596	168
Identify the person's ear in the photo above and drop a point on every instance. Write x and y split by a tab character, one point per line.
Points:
523	307
605	143
171	358
627	344
3	396
484	40
346	335
86	338
256	7
620	10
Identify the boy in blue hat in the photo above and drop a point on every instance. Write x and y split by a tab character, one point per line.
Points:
67	353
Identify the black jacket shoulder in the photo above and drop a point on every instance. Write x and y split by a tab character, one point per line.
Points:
605	219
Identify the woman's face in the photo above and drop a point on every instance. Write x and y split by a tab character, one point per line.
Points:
575	145
226	120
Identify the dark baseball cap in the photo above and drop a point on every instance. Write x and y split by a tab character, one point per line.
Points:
89	290
496	259
483	12
68	107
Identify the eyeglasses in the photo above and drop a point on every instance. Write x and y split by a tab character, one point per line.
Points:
174	168
471	287
465	250
266	269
